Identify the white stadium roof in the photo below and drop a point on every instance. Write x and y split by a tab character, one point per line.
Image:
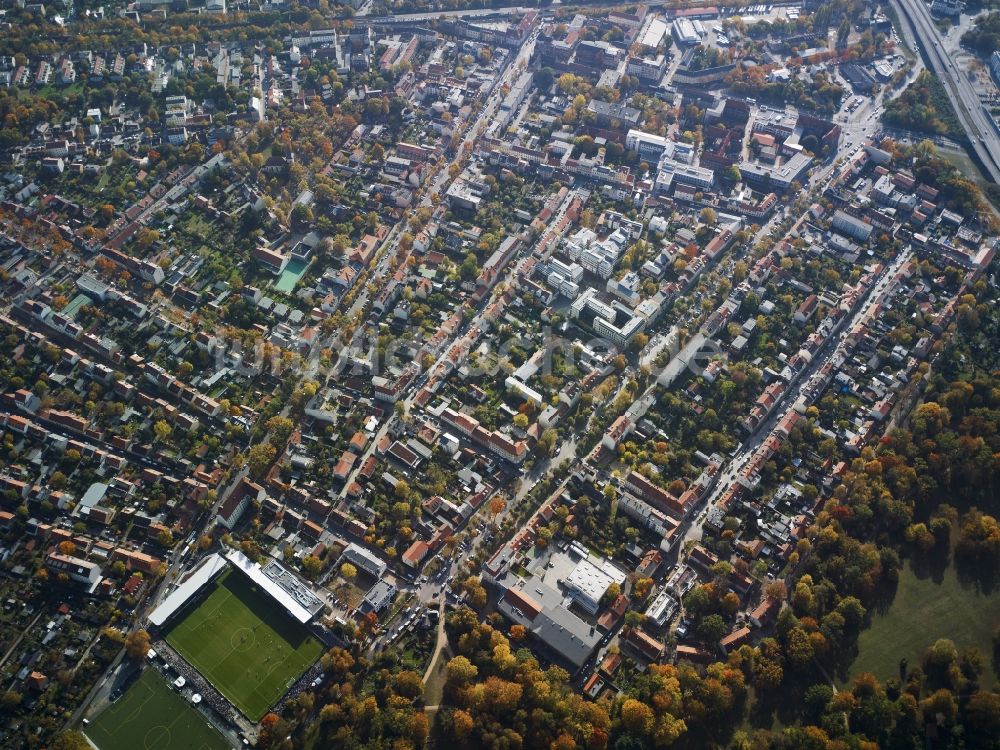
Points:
201	575
277	592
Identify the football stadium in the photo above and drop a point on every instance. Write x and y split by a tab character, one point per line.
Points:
243	627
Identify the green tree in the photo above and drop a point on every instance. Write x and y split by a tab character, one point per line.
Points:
280	428
260	459
162	430
547	441
634	619
312	565
470	267
712	628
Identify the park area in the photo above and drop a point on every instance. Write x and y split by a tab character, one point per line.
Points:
151	716
927	607
244	643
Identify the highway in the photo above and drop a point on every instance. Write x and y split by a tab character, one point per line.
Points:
983	136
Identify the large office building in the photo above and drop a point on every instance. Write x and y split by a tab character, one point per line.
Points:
598	257
649	146
777	177
611	320
591	578
661	609
546	600
671	172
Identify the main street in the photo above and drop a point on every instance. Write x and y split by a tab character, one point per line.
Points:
861	309
863	123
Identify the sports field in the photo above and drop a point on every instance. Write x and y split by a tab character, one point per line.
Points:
151	716
923	610
244	643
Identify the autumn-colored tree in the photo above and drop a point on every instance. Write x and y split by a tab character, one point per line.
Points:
547	441
460	672
418	727
67	547
729	604
641	588
260	459
637	717
337	662
280	428
798	648
979	538
497	506
767	674
776	591
137	644
330	713
70	740
273	730
368	623
462	724
312	565
500	697
162	430
408	684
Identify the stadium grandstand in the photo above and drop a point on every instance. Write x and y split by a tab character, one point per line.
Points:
205	573
279	583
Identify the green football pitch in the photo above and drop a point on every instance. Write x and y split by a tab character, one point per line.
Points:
151	716
242	642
